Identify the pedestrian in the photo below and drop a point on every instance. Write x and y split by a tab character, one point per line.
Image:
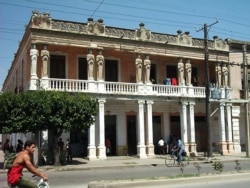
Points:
179	148
23	159
60	144
6	147
108	146
19	146
69	151
161	146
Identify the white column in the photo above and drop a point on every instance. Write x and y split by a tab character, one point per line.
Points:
141	149
91	143
101	149
222	142
192	128
149	137
229	128
33	79
183	113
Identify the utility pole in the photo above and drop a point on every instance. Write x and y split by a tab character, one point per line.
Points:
209	139
246	90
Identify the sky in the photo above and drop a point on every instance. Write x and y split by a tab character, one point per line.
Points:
161	16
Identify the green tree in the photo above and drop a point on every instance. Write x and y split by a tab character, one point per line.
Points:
41	110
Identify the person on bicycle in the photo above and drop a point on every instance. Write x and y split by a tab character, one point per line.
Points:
22	160
179	148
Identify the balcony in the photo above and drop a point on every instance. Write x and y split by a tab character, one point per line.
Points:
131	89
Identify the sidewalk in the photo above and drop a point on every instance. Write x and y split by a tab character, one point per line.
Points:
128	161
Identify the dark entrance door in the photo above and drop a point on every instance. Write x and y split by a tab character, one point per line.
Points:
157	133
201	134
131	135
175	126
110	132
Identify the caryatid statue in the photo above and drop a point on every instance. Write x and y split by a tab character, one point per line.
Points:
225	75
45	59
188	68
218	75
100	63
147	65
33	54
138	64
91	61
181	72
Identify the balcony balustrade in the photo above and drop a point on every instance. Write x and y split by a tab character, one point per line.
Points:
122	88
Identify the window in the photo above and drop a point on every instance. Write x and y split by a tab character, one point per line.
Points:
82	68
111	70
57	66
153	77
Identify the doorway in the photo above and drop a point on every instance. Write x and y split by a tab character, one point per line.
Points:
175	128
157	131
201	135
131	135
110	132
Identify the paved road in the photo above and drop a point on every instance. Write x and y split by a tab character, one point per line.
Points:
81	178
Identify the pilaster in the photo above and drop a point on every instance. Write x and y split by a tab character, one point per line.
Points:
101	149
229	128
183	115
149	133
141	148
192	143
91	145
222	143
236	128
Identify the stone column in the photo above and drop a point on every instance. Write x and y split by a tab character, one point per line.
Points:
149	137
100	63
183	115
147	66
192	143
45	61
91	63
101	149
181	80
33	79
138	64
222	143
141	149
229	128
91	143
188	68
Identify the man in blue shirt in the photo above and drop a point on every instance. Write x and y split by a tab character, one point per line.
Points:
179	148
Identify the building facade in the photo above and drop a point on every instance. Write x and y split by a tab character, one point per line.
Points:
148	85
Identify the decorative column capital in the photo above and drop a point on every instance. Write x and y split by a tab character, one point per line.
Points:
101	101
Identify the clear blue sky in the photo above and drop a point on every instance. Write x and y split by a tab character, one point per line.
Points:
163	16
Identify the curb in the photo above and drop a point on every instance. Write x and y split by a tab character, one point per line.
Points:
162	181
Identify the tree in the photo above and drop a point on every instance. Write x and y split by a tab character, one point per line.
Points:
41	110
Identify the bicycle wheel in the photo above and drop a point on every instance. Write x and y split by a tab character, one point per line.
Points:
169	161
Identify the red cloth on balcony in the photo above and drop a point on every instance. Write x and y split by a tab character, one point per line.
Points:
174	81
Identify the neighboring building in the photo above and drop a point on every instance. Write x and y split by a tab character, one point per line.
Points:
148	85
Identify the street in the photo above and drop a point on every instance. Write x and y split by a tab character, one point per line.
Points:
82	178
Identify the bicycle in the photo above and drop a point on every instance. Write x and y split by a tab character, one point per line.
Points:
171	160
41	183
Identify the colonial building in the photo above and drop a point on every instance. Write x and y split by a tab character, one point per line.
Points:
148	85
